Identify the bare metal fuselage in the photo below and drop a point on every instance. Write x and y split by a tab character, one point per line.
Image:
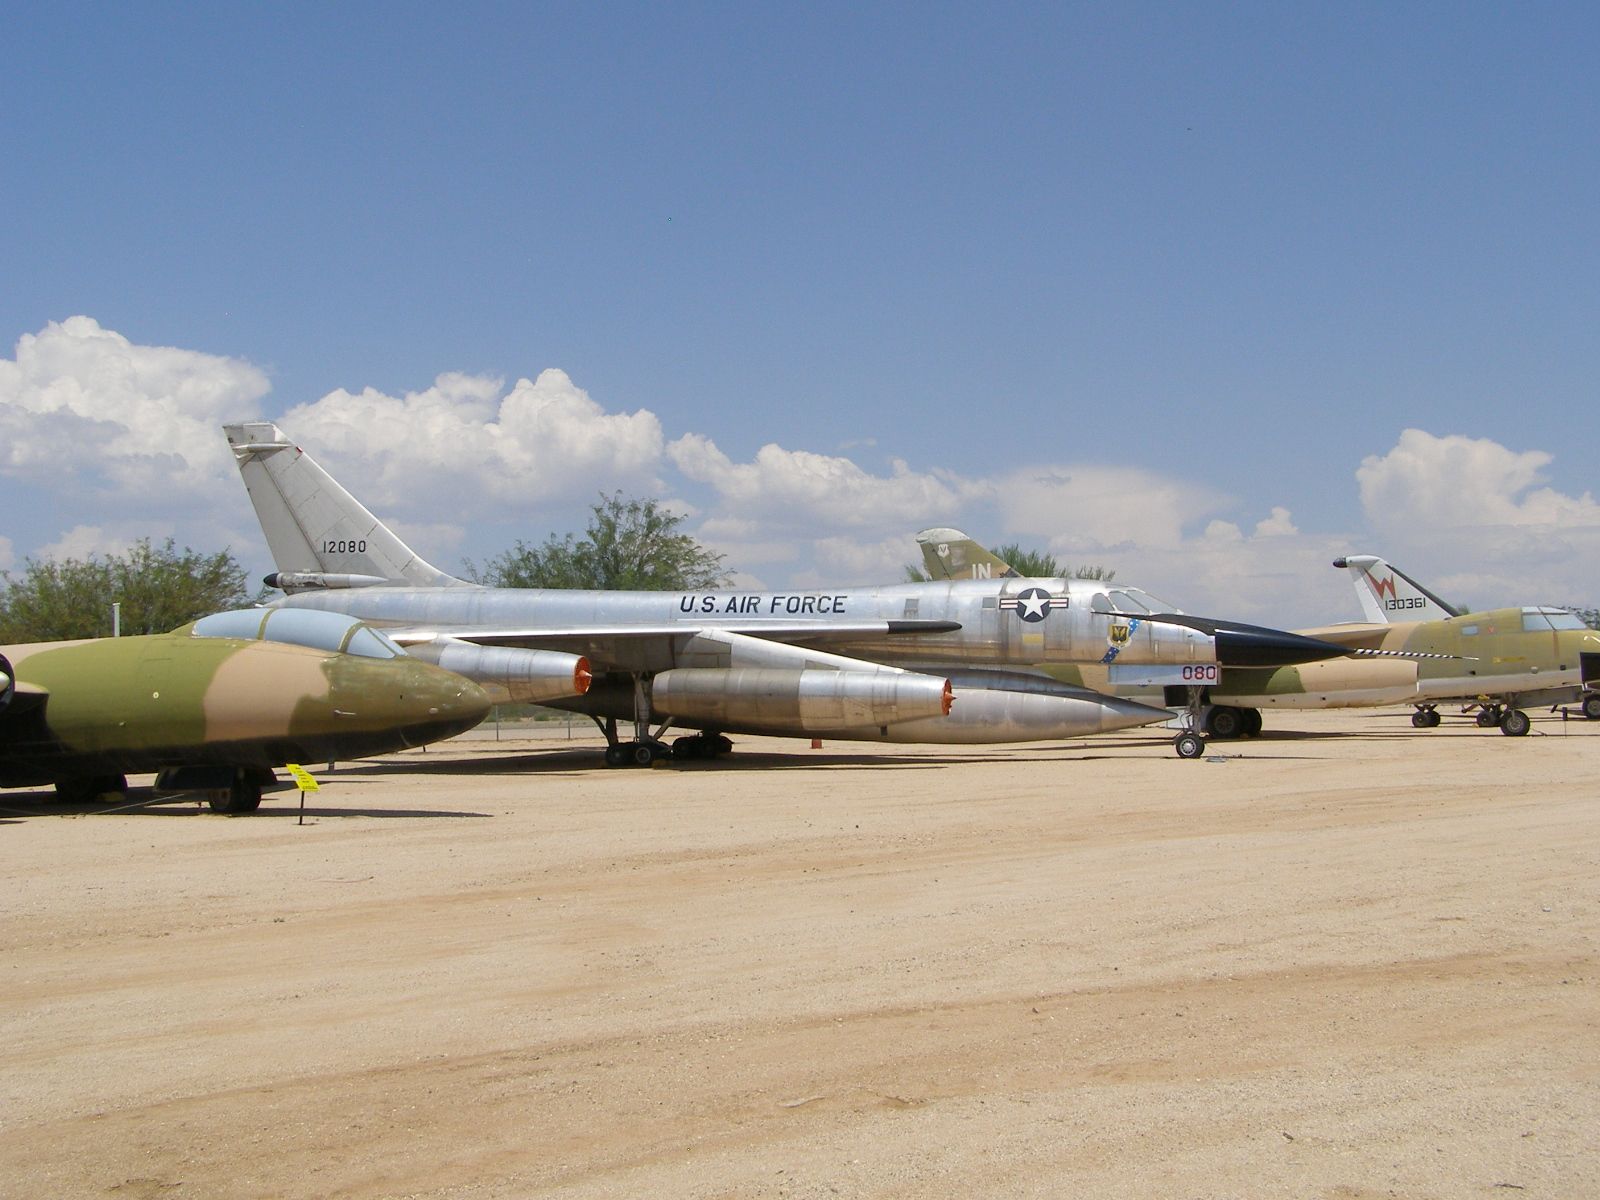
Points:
1007	622
933	629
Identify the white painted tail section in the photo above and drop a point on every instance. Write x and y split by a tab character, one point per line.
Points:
1389	595
314	526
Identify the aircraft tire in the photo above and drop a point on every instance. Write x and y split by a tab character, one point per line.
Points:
1488	717
1224	722
644	753
1252	721
1189	745
1515	723
1426	718
242	796
698	746
617	756
1591	706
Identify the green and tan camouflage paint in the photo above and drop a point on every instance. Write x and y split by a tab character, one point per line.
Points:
142	703
1485	654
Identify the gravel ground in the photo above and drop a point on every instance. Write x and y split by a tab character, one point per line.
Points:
1346	959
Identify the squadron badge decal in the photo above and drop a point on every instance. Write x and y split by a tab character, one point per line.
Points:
1118	636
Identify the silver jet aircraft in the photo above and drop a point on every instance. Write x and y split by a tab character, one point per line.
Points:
875	664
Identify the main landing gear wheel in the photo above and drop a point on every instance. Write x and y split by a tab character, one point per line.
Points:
1224	722
1426	718
1189	744
1591	706
700	745
636	754
1515	723
243	794
1489	716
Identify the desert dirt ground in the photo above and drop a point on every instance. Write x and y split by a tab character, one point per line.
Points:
1347	959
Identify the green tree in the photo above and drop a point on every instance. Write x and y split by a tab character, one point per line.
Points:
159	588
629	544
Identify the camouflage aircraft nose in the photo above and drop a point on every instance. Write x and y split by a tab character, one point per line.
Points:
452	701
419	702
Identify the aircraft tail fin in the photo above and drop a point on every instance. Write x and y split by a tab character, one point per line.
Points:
1388	594
950	554
320	535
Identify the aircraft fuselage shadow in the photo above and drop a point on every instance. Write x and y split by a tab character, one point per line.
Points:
141	802
557	762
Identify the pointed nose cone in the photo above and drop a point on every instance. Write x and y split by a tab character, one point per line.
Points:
1116	713
395	703
441	705
1255	646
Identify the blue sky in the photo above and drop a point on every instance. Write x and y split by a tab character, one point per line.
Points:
1145	284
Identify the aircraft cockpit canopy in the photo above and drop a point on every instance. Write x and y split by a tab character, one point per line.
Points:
1131	600
299	627
1542	620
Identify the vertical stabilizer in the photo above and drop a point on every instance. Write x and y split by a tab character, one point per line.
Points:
313	526
950	554
1387	594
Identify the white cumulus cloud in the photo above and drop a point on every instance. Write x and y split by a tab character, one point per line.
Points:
1086	508
1455	481
793	489
463	439
86	541
1471	518
84	408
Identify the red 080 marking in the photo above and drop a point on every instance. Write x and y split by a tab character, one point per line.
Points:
1206	673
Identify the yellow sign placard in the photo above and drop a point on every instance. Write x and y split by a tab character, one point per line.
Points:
303	778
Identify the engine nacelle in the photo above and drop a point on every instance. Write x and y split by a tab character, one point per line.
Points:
510	674
798	701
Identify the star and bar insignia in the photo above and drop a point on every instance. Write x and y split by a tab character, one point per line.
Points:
1032	604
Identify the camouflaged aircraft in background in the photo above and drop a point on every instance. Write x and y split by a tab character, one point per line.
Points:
214	705
901	663
1496	663
1493	662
